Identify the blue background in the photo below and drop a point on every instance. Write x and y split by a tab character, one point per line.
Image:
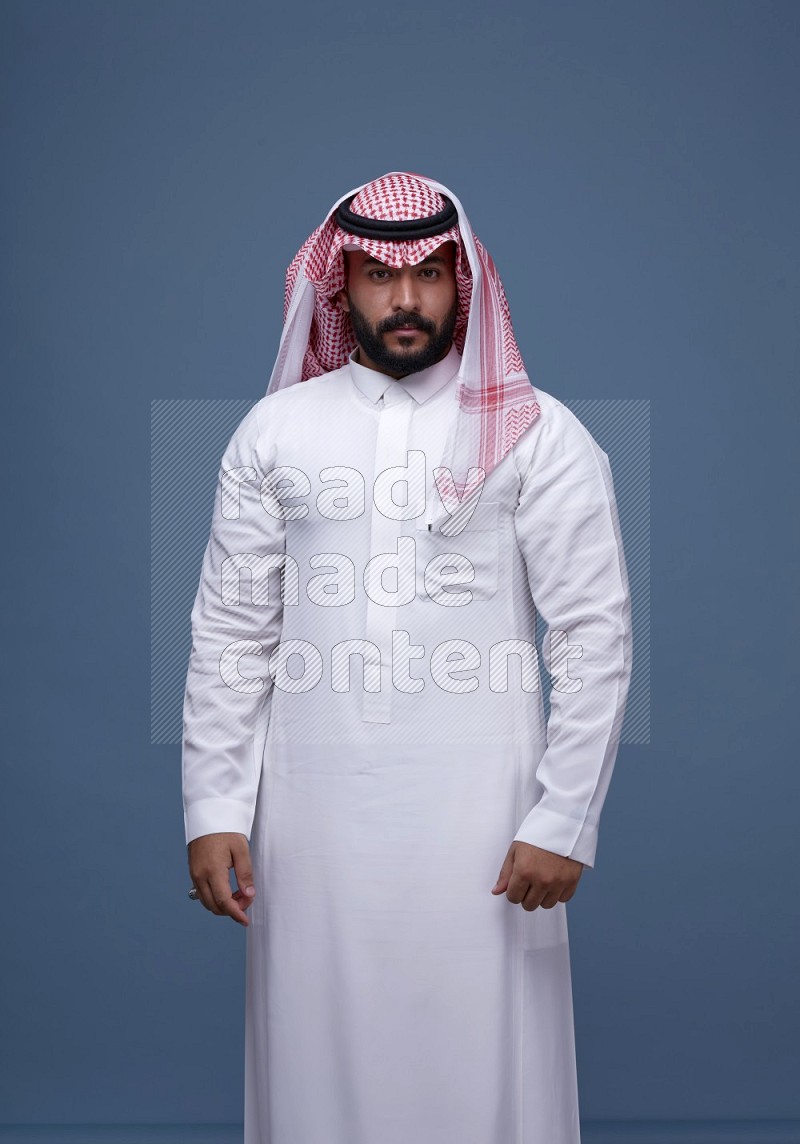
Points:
632	167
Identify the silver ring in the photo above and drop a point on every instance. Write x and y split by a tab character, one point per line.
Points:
194	894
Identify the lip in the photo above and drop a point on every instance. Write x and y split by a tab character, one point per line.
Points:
407	330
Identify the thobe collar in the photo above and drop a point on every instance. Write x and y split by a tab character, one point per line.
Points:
422	385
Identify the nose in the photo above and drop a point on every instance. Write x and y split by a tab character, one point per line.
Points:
405	295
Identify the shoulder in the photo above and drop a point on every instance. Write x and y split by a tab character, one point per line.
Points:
556	434
288	409
555	412
300	399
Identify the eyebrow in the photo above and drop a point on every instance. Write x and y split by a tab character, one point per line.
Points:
370	261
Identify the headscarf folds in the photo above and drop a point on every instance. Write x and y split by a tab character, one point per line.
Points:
496	401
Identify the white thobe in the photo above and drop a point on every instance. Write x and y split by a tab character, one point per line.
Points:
366	728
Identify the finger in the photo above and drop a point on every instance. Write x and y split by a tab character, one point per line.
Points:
518	888
550	900
533	899
244	902
506	870
221	891
206	895
243	870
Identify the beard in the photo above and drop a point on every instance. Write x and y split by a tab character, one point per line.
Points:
370	339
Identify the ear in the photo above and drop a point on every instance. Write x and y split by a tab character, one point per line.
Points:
342	300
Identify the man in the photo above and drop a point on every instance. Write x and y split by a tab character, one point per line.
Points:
365	741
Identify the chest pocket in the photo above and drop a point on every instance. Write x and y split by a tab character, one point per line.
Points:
478	542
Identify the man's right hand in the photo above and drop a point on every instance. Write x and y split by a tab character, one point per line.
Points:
210	858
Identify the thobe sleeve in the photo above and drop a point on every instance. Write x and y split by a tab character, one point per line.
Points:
223	725
568	531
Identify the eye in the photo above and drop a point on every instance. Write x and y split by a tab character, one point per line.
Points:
372	274
430	272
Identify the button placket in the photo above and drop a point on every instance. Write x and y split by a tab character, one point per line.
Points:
390	449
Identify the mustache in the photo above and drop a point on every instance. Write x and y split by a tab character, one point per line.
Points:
399	320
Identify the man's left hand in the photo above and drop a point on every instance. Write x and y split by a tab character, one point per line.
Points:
533	877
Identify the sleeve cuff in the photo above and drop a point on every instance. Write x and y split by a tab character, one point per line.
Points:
218	816
569	837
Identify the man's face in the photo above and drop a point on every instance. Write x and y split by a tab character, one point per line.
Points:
403	319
